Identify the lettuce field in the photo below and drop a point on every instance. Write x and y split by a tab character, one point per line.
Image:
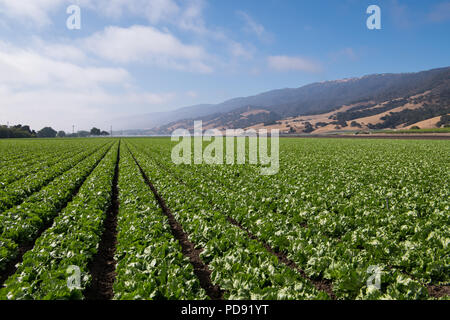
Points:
122	221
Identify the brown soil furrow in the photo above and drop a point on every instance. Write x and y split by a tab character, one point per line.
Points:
201	270
103	266
438	291
24	248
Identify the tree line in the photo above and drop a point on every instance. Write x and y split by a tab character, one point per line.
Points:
19	131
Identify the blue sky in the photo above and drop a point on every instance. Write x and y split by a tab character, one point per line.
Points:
139	56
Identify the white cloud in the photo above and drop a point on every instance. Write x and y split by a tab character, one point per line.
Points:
251	24
253	27
287	63
84	79
185	14
440	12
25	67
63	108
191	18
155	11
41	90
59	51
238	50
161	48
34	11
147	45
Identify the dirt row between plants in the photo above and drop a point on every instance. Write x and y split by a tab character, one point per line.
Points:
201	270
438	291
103	266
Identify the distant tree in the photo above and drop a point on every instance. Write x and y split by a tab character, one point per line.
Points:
82	134
270	123
17	131
321	124
342	123
61	134
47	132
308	128
355	124
4	132
27	129
445	121
95	132
104	133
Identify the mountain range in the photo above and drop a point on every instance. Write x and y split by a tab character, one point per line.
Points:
376	101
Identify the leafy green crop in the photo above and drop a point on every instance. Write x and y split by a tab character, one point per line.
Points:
338	207
21	224
71	241
240	266
150	262
16	192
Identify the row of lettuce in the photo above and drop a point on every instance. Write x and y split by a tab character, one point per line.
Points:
151	264
337	213
19	159
12	171
26	150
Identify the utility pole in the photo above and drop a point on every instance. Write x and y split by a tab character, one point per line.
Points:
73	130
7	128
111	132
